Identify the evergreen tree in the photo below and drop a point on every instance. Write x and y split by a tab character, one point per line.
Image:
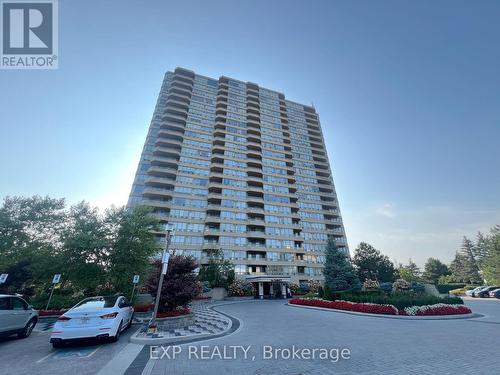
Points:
481	249
464	267
491	265
339	272
434	269
371	264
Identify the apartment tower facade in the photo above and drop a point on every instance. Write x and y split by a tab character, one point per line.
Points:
232	166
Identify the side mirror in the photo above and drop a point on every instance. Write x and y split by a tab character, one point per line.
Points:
30	307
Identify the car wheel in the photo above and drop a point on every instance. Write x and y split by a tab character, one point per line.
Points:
27	329
118	332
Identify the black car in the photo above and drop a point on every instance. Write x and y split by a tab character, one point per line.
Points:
485	293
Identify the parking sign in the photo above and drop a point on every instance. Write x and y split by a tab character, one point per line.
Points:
56	278
3	277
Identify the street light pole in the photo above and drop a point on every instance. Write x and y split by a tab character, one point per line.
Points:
165	257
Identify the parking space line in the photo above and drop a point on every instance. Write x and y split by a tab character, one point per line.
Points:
44	358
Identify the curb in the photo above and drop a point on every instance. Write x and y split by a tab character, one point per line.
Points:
384	316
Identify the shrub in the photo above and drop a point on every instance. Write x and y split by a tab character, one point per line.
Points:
327	293
371	285
304	288
387	309
294	288
310	295
445	288
386	287
400	285
60	300
417	287
314	285
241	288
321	292
205	286
398	299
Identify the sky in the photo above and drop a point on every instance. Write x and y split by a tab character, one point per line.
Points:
408	94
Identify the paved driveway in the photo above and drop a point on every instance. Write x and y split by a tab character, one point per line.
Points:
376	345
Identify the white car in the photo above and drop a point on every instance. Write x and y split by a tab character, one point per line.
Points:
16	316
95	317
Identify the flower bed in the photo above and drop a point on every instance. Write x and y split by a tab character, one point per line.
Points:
437	309
169	314
369	308
372	308
51	312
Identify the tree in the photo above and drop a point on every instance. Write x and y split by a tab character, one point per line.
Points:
19	280
219	272
371	264
180	285
434	269
338	271
481	249
132	244
86	245
409	272
30	229
464	267
491	265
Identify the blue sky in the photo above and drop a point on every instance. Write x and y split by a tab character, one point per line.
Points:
408	95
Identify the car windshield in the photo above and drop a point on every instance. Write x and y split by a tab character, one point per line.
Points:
96	303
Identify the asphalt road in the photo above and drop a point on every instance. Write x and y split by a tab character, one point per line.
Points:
377	345
35	355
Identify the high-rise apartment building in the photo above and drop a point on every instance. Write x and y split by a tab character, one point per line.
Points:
233	166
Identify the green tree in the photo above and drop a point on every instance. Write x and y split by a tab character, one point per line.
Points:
132	244
464	267
371	264
30	229
86	246
434	269
338	271
491	264
219	272
409	272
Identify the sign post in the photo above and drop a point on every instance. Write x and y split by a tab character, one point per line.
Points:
3	277
55	280
165	257
135	281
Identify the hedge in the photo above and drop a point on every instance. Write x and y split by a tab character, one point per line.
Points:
400	300
445	288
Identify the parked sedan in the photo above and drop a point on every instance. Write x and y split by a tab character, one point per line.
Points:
16	316
95	317
485	292
479	289
495	293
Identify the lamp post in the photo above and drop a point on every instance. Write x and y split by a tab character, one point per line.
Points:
164	258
